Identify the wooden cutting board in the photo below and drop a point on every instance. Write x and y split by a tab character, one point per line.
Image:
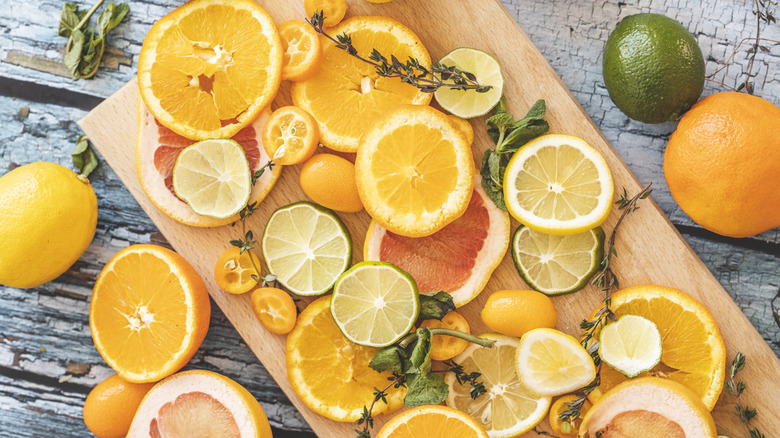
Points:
650	248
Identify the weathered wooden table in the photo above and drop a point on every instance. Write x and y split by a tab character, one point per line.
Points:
48	363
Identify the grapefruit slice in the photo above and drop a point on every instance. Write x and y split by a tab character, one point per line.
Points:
157	149
458	259
199	403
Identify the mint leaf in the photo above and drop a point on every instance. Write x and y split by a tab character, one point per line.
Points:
522	134
69	19
84	158
73	57
537	111
424	386
500	121
118	15
434	305
392	358
492	176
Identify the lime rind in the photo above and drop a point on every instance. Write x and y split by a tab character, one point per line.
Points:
578	258
375	304
468	104
307	247
213	177
632	345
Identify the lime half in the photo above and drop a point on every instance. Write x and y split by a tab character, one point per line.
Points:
213	177
632	345
470	103
307	247
557	265
375	304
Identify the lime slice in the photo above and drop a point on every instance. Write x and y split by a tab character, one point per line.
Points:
375	304
557	265
307	247
558	184
470	103
632	345
213	177
549	362
508	409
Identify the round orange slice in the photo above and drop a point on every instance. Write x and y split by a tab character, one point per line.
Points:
459	258
149	313
199	403
432	421
347	94
302	50
157	149
290	136
414	171
207	69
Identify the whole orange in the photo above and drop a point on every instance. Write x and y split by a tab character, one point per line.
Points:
722	164
111	405
329	180
514	312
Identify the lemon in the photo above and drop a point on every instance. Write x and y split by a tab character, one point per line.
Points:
557	265
558	184
550	362
48	216
507	409
307	247
375	304
470	103
632	345
213	177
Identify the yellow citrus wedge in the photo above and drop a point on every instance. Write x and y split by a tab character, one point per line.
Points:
199	403
414	171
208	68
331	374
692	349
432	421
347	94
149	313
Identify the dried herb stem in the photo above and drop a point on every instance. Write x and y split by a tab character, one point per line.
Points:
735	389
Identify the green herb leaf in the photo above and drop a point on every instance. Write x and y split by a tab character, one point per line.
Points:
425	387
84	158
522	134
500	120
492	178
86	46
73	57
434	305
537	111
69	19
392	358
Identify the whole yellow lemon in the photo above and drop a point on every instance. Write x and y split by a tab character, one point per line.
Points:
514	312
48	216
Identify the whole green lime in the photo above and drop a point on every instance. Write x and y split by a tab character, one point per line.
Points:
653	68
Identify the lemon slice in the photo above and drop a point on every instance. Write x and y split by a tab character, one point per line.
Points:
549	362
213	177
470	103
632	345
558	184
507	409
375	304
307	247
557	265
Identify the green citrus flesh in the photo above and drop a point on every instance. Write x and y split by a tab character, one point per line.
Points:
307	247
375	304
471	103
653	68
557	265
632	345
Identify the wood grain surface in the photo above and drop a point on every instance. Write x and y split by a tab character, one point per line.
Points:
651	250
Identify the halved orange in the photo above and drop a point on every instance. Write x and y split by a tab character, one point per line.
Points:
414	171
347	94
149	313
302	50
432	421
208	68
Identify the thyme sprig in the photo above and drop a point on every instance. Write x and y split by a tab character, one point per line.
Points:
477	387
605	279
735	389
426	79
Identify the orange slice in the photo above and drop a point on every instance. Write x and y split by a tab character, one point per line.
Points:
157	149
234	270
332	10
207	69
331	374
199	403
693	352
290	136
459	258
432	421
302	50
149	313
347	94
414	171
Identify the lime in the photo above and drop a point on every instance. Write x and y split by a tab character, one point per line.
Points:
213	177
307	247
508	409
550	362
375	304
632	345
558	184
653	68
557	265
470	103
